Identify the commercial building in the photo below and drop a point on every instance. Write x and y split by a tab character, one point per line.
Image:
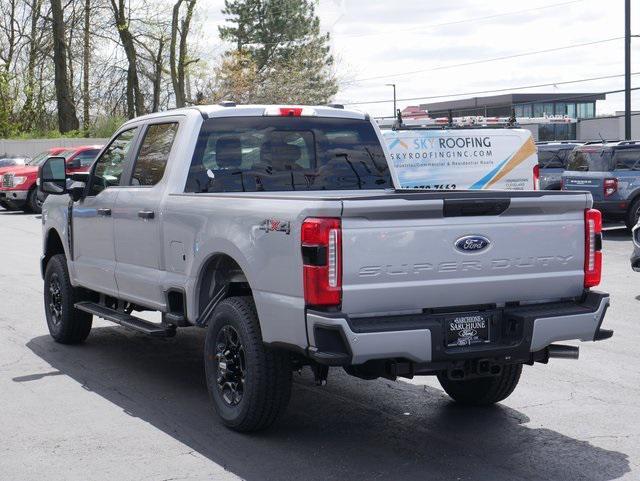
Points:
574	105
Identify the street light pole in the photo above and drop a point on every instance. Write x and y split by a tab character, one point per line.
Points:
627	69
394	98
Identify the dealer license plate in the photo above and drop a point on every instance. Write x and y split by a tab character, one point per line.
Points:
468	329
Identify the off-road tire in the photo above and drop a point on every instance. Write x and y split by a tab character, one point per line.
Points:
266	384
33	205
10	205
485	390
632	215
70	326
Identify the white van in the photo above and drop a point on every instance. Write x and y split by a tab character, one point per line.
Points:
454	159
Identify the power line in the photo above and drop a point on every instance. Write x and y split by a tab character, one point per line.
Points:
479	92
457	22
494	59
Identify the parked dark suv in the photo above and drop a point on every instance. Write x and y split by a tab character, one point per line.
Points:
552	160
611	172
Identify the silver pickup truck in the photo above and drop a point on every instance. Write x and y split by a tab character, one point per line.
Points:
278	229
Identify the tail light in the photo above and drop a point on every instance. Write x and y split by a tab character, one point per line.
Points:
536	177
592	247
322	261
610	187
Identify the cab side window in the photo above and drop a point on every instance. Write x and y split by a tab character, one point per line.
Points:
154	154
111	163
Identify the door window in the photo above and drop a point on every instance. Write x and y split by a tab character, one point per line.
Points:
111	163
154	154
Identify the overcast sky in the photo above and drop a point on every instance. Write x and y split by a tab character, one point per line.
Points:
417	44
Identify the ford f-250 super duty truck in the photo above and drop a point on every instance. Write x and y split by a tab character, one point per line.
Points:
278	229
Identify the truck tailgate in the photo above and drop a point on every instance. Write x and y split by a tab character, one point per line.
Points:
400	254
591	182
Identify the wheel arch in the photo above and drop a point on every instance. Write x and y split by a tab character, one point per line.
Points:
218	272
52	245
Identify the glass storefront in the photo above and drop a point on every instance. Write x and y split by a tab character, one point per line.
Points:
556	131
582	110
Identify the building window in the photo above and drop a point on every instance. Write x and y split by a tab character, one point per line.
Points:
538	110
586	110
571	110
561	108
523	110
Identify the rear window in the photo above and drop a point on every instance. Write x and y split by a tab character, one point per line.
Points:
592	160
252	154
86	157
553	159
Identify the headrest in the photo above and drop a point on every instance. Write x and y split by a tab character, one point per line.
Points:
280	155
228	152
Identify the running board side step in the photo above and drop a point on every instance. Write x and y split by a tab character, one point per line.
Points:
126	320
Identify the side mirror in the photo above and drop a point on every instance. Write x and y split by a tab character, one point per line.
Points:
52	176
76	190
74	164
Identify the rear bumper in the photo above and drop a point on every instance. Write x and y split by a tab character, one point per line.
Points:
14	195
337	339
611	208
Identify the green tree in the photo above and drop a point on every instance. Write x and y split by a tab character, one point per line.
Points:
283	42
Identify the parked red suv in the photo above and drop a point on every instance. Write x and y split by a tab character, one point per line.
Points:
18	184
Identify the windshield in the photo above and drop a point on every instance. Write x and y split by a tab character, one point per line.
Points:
589	160
553	159
250	154
39	159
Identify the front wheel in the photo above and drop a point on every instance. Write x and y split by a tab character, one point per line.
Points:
483	391
34	204
67	324
8	205
249	383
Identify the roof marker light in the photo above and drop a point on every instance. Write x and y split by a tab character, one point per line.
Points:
277	111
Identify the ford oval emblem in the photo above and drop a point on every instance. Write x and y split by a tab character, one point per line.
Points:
472	243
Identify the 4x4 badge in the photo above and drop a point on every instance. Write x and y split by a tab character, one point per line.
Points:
275	225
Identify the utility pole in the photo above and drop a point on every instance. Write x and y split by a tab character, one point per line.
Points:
627	69
394	96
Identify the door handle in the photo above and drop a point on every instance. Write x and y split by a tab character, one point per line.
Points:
146	214
104	212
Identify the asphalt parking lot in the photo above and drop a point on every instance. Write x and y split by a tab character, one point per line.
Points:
127	407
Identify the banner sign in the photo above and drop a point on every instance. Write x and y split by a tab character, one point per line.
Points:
496	159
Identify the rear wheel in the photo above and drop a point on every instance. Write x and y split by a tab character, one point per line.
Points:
67	324
483	391
34	204
633	214
249	383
